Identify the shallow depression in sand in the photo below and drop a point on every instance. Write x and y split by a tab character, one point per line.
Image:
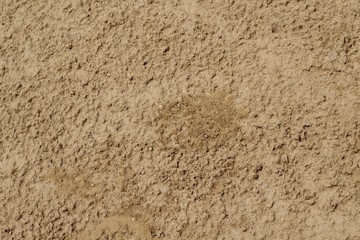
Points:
199	122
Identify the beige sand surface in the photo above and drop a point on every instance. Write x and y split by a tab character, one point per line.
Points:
179	119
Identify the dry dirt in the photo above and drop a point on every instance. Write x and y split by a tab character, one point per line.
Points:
179	119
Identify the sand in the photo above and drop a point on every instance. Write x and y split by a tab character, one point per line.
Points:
179	119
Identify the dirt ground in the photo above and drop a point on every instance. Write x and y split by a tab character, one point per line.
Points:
179	119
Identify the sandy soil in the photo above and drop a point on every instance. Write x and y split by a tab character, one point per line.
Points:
179	119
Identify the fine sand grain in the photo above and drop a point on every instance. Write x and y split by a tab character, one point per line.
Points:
179	119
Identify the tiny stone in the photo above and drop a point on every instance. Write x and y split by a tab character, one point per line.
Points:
278	159
258	168
311	201
270	204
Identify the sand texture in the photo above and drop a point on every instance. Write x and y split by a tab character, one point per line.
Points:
179	119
